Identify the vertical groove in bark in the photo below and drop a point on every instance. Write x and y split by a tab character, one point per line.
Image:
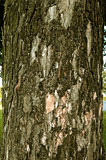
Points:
52	80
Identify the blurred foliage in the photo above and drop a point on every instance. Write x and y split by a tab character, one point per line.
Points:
0	92
104	47
104	98
104	81
1	23
104	66
1	127
104	131
1	26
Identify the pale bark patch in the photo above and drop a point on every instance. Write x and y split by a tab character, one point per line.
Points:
52	14
83	103
29	126
27	104
94	95
43	140
50	101
21	21
81	142
74	62
61	114
35	45
75	92
46	59
57	99
69	107
94	137
98	72
28	148
58	111
59	139
66	8
7	153
100	109
88	117
21	71
73	123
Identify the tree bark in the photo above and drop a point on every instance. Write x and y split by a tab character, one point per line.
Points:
52	101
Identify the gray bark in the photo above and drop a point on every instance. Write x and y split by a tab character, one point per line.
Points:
52	102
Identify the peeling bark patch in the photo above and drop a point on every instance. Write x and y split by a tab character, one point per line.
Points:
66	10
50	100
35	46
89	39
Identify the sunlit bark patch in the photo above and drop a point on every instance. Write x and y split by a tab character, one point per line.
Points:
50	100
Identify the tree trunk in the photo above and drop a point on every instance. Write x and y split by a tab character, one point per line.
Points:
52	101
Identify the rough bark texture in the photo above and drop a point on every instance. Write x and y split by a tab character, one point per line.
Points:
52	101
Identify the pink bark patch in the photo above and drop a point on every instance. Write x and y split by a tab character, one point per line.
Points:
50	100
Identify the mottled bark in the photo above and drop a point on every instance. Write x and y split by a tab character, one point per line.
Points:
52	103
